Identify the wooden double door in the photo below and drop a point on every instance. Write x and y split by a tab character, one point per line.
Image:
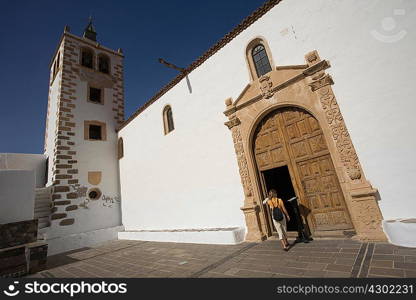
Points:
292	137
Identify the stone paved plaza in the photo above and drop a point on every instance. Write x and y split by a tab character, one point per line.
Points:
320	258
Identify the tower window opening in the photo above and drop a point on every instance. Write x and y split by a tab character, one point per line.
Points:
95	132
103	64
87	58
95	95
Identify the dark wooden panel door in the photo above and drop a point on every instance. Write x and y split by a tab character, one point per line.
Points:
293	136
269	148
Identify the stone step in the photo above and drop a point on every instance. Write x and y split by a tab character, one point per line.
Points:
42	210
42	194
42	205
41	214
43	222
43	200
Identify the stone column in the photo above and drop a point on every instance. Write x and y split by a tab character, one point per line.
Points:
363	208
251	209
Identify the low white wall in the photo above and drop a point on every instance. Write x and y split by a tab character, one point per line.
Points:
81	240
23	161
220	237
401	232
17	195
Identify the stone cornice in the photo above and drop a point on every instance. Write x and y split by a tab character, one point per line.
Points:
361	193
232	122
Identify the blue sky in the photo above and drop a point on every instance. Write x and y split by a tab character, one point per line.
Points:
179	31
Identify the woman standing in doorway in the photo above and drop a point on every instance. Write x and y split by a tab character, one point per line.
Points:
280	225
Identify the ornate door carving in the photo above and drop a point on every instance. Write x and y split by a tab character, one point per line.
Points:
269	144
293	137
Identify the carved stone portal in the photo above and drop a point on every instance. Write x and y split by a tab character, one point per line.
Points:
308	88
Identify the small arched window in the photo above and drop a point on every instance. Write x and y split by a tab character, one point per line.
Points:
120	148
87	58
103	64
168	119
260	60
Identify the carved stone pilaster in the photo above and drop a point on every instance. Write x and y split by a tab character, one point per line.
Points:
337	126
250	209
363	208
366	214
241	158
253	223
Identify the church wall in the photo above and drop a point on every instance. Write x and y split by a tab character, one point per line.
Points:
189	177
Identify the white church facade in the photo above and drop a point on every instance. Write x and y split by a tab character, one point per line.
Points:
314	100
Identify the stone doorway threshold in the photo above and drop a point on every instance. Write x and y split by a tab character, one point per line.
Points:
336	234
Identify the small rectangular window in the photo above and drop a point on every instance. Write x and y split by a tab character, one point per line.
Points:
95	132
95	95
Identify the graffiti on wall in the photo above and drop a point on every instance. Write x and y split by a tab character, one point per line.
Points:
87	195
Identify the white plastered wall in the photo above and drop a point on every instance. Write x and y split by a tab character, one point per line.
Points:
189	178
17	195
23	161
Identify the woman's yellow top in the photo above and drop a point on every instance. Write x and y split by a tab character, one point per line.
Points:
275	202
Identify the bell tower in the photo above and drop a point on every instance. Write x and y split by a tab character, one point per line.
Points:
85	107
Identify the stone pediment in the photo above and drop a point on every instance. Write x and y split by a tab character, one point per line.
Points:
278	79
97	79
264	86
